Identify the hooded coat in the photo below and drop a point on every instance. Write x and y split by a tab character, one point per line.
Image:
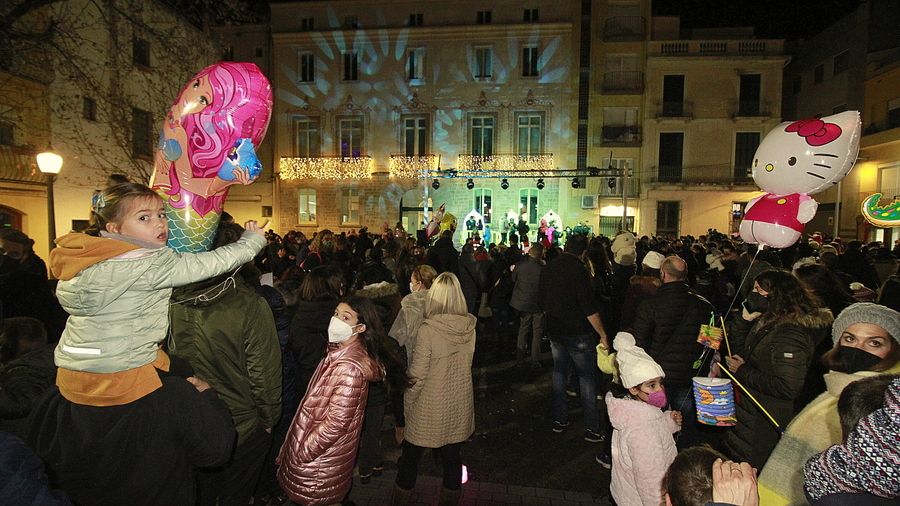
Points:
642	450
777	355
406	326
317	457
439	406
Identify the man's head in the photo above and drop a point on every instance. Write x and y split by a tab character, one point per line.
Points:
15	244
576	244
689	480
20	335
673	270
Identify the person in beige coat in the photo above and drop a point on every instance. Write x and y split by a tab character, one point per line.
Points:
439	406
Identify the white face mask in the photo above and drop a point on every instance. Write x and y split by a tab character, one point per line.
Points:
339	331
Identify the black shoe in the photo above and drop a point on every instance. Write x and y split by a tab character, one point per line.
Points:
593	437
559	427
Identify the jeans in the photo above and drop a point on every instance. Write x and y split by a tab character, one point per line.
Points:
580	350
530	325
408	465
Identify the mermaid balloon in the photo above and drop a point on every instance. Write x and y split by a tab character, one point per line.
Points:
207	143
881	216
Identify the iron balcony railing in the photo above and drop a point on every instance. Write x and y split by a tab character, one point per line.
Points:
745	47
623	82
702	175
622	135
504	162
325	167
413	166
751	108
18	164
675	109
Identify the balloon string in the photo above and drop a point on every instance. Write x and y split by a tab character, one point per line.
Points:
742	387
738	291
725	334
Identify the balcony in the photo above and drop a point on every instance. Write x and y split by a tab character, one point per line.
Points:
623	82
673	109
413	167
504	163
751	109
17	164
624	29
724	175
620	135
747	47
325	167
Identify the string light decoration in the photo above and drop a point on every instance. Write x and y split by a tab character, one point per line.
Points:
358	167
499	164
413	167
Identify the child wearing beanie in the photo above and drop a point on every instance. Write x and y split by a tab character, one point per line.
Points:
642	442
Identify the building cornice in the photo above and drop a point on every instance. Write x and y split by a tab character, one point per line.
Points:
434	33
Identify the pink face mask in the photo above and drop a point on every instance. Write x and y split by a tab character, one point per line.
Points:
657	399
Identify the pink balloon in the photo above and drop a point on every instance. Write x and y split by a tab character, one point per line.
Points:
777	220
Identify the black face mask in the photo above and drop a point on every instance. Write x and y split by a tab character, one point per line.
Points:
756	303
853	360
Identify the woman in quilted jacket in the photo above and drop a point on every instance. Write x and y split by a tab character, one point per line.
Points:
439	406
316	460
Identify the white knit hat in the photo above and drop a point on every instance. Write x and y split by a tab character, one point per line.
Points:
635	366
653	259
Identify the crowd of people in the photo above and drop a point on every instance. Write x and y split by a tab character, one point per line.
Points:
263	370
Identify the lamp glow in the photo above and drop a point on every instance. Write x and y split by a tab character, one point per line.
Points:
49	162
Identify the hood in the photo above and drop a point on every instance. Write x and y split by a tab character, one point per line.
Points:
378	290
629	413
76	252
457	329
211	291
415	299
822	319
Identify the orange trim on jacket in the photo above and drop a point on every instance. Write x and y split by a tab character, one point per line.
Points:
77	252
111	389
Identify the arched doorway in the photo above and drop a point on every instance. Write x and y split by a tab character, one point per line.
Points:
412	209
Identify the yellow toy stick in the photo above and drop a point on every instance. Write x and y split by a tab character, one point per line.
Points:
738	383
725	334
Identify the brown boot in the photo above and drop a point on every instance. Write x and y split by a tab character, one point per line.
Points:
400	496
449	497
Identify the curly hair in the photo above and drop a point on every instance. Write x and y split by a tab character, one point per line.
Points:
788	298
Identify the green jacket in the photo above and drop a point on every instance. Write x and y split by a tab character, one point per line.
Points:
227	333
118	296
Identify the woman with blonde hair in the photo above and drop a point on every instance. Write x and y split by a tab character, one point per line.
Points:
439	406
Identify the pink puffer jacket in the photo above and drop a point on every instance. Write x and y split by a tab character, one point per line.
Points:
316	460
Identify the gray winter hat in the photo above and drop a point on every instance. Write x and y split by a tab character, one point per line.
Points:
867	312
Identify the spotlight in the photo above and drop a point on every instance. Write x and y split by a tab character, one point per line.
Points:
451	173
435	184
575	183
504	183
611	183
470	184
594	172
540	183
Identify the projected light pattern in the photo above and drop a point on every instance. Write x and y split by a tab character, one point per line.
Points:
325	168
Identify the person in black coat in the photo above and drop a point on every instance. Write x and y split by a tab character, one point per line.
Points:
471	278
26	371
319	294
443	256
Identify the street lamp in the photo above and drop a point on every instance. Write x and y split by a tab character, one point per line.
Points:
50	163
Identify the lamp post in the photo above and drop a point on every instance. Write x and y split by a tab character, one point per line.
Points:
50	163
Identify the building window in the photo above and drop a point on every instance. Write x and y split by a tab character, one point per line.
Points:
483	17
307	67
228	55
620	125
838	108
528	204
265	211
745	144
351	135
307	24
415	65
749	95
797	85
841	62
349	206
529	134
306	206
673	95
484	68
7	134
89	109
258	52
613	185
351	22
140	52
483	135
530	15
671	146
893	116
141	134
667	214
306	137
483	200
415	19
530	61
351	66
819	73
415	136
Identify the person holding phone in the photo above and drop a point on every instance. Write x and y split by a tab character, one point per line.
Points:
772	345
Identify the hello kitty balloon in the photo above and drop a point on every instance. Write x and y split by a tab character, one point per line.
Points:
795	160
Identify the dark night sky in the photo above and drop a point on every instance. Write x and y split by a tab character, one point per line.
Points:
789	19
